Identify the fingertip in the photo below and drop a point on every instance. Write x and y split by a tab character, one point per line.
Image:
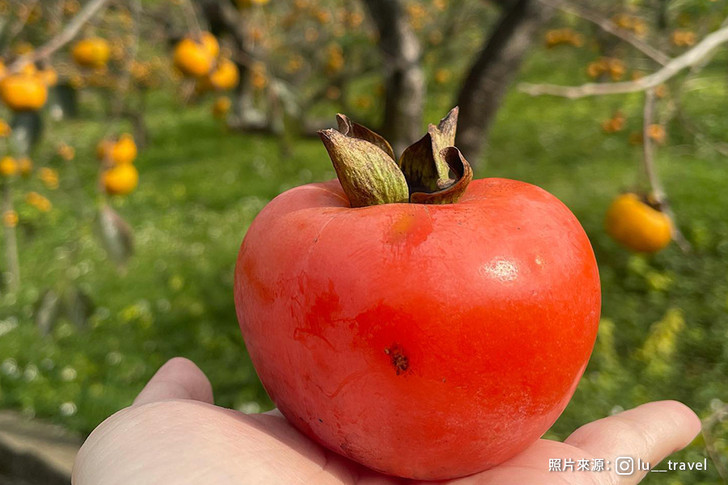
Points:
684	418
178	378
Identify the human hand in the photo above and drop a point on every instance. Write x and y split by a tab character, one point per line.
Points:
173	434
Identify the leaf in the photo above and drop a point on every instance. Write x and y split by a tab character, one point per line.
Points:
78	306
355	130
448	195
367	172
46	312
116	235
423	164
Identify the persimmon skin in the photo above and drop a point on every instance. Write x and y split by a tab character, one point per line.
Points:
422	341
636	225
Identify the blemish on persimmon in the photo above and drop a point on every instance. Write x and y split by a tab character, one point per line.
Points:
400	362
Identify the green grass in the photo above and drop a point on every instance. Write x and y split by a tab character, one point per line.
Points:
201	187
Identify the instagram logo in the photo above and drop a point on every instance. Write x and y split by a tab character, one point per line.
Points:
624	465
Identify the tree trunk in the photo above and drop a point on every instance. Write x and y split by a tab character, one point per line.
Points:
492	72
404	76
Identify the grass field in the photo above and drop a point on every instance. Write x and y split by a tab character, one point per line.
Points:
665	317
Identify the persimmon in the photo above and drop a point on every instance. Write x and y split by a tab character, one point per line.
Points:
8	166
23	91
124	150
422	324
225	75
221	106
121	179
195	57
91	52
637	225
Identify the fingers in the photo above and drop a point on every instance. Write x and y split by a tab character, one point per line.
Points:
179	378
649	432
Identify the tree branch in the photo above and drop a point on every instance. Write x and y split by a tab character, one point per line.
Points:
193	22
63	38
648	161
608	26
20	24
647	148
718	416
688	59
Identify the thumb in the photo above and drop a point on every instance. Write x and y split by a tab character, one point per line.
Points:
179	378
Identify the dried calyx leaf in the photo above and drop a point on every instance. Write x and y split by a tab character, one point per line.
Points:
430	171
422	163
355	130
368	174
450	194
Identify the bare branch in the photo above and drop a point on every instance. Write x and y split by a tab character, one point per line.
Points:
648	160
63	38
608	26
125	80
647	148
20	24
708	423
688	59
193	22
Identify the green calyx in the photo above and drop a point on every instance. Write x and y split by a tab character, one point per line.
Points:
430	171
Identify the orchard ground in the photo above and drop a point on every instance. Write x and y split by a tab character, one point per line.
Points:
665	317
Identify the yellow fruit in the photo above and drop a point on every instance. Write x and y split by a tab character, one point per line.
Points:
221	107
124	150
683	38
29	69
195	58
22	48
49	76
66	152
3	69
657	133
624	21
295	63
38	201
121	179
614	124
23	91
564	36
258	76
224	76
597	68
91	52
10	218
616	69
5	129
335	59
8	166
49	177
209	42
25	166
636	225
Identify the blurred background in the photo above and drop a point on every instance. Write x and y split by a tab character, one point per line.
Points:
141	137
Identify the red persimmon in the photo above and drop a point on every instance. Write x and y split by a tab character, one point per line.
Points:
424	340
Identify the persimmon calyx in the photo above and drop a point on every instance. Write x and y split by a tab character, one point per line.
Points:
430	171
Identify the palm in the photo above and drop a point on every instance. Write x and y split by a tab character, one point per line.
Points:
186	439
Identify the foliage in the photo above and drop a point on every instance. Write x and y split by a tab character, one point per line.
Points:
665	317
